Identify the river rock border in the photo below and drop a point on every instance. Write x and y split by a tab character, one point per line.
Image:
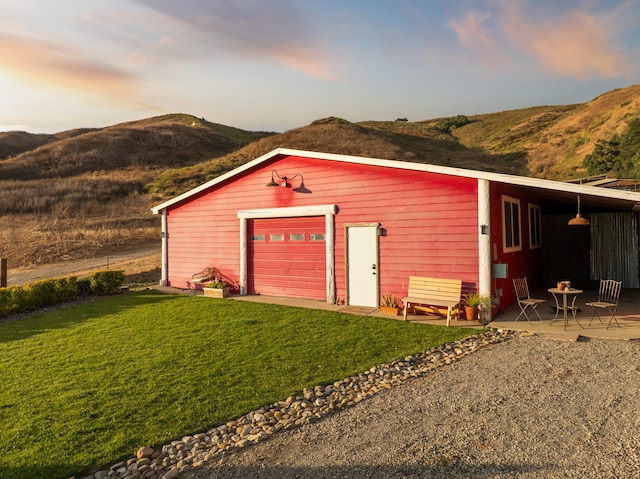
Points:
310	406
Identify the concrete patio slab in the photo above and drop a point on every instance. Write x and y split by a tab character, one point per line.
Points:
628	315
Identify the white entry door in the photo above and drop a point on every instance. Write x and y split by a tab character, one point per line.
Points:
362	265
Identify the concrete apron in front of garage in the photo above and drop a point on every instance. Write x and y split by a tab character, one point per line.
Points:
628	315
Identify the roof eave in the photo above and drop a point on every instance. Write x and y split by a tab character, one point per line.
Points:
446	170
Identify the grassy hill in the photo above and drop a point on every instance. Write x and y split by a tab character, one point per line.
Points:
79	192
553	140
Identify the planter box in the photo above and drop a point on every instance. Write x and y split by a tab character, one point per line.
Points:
216	292
390	310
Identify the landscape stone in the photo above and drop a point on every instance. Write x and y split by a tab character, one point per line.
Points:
310	406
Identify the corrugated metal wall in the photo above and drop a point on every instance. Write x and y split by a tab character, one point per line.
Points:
614	248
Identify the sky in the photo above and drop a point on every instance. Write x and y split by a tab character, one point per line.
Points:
274	65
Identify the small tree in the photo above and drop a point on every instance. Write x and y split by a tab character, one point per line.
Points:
604	158
451	123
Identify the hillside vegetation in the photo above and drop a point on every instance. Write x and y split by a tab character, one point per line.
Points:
76	193
81	193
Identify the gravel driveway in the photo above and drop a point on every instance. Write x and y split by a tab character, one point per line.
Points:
529	407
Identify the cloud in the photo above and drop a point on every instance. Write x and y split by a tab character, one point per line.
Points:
38	62
248	28
575	44
474	34
572	43
6	128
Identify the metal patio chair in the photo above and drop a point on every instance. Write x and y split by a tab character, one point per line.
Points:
525	300
608	296
202	277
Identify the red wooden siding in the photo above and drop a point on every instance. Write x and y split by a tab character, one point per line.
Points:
284	258
429	220
523	263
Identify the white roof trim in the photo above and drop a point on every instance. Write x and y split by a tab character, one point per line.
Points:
215	181
405	165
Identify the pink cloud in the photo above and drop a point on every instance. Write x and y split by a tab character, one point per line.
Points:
474	34
572	43
251	29
44	63
471	32
575	44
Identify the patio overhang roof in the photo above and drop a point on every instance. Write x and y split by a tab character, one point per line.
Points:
589	200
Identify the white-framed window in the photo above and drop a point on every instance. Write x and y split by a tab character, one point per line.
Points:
511	231
535	226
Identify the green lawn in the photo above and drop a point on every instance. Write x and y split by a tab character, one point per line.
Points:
85	386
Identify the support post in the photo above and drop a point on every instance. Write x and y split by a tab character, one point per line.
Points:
243	256
484	239
3	272
164	277
330	257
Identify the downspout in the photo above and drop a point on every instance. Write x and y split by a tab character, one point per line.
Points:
484	240
164	277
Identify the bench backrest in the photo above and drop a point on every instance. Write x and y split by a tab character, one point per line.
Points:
435	289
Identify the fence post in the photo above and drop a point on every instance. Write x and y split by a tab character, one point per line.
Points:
3	272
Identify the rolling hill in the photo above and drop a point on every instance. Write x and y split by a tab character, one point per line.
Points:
79	192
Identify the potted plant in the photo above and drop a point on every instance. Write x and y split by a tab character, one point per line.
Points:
389	304
216	289
473	302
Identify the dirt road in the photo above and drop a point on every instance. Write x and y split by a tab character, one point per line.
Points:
143	261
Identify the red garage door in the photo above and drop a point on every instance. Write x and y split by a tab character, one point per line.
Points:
286	257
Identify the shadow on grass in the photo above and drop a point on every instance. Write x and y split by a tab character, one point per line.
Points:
41	472
64	316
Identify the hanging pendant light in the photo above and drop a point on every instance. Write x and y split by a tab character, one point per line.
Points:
579	220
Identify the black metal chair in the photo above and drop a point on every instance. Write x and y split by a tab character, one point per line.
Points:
608	296
201	278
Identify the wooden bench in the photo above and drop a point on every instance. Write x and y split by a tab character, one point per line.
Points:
432	292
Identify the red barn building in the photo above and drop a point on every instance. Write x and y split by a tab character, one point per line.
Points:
343	228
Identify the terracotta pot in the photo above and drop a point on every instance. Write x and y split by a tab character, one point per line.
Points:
471	313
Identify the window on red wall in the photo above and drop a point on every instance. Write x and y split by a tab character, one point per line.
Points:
535	226
511	232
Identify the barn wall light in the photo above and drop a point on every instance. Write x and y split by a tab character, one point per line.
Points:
285	182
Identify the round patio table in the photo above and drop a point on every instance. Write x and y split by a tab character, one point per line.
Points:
566	293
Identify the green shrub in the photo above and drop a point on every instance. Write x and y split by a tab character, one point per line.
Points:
6	306
66	288
17	299
451	123
40	293
84	287
105	282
